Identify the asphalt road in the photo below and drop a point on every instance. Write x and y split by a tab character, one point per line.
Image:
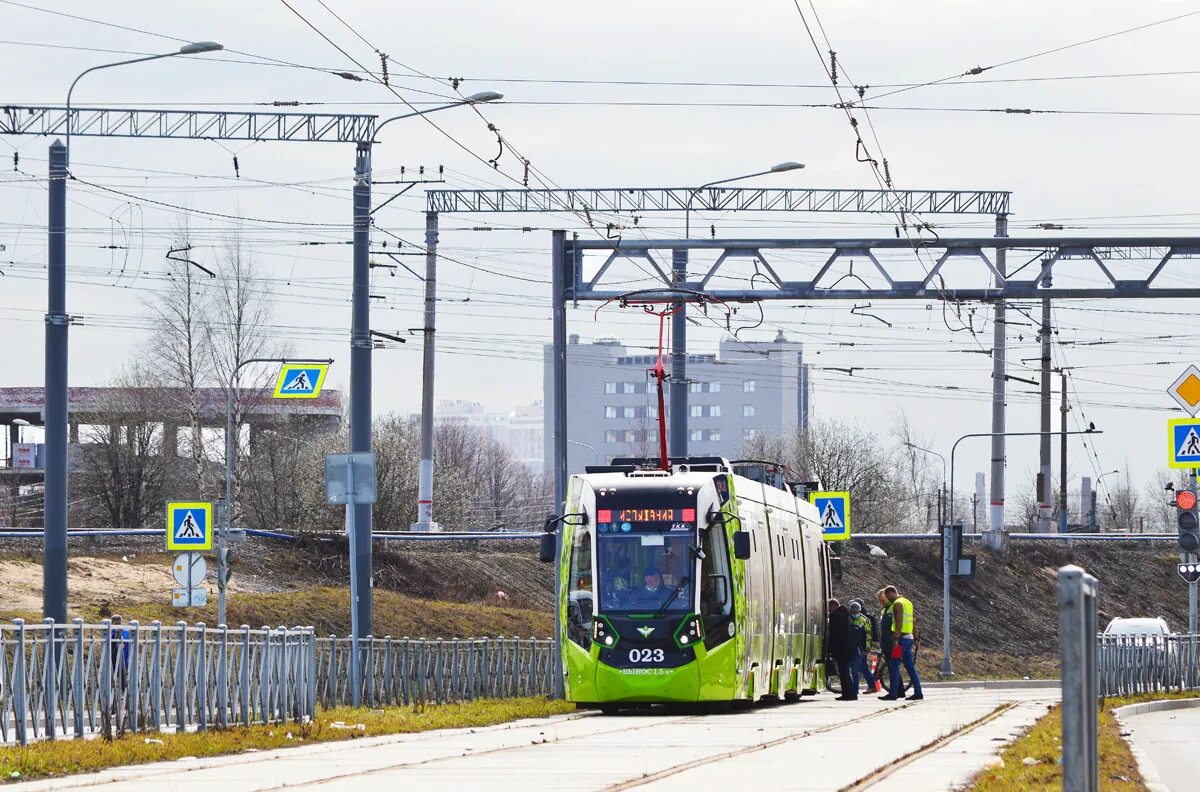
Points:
815	744
1168	739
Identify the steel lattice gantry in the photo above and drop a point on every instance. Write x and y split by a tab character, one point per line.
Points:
781	282
187	124
640	200
675	274
191	125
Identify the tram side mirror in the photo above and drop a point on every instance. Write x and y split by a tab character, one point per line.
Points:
547	545
546	549
717	590
835	568
741	545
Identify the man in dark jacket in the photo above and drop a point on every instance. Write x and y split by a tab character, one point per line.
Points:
840	648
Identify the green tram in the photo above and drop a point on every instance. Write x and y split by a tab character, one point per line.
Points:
705	583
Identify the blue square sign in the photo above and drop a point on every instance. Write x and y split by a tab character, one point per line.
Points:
833	514
189	525
1183	434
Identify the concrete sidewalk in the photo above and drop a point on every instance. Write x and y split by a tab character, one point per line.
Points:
816	744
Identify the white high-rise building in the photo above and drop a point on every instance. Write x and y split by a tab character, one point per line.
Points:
612	401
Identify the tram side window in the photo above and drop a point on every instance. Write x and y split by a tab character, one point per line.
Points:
716	600
580	603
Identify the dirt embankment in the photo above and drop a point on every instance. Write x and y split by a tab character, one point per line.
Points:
459	590
1010	609
1005	621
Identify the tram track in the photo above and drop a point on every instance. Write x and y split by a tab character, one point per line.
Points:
879	774
651	722
707	760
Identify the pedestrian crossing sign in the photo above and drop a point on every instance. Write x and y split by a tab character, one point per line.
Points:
189	525
1183	435
833	514
300	380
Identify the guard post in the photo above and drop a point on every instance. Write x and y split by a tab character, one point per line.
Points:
1078	597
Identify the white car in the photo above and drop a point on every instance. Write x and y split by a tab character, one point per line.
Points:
1144	647
1144	626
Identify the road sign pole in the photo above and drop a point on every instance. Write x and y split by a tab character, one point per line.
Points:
1192	558
946	669
355	658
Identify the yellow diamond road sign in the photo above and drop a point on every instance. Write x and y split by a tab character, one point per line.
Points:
1186	390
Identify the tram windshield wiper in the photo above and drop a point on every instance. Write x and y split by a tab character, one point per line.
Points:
674	593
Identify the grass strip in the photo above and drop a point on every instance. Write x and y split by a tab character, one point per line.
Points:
67	757
1042	742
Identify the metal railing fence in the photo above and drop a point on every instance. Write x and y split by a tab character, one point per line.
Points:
1132	664
75	680
403	671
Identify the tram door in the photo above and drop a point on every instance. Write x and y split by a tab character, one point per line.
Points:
760	596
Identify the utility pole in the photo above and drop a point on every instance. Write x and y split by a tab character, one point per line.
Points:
54	567
360	380
679	384
999	339
1062	460
1044	482
425	481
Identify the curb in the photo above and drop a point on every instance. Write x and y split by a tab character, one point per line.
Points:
997	684
1146	767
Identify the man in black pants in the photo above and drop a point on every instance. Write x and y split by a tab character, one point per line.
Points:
841	648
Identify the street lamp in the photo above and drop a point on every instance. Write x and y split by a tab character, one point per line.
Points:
942	510
946	669
1092	524
54	565
226	516
595	453
360	372
781	167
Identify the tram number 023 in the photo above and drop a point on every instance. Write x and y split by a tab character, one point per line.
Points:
646	655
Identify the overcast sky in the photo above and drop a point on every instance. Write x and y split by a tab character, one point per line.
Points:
1126	166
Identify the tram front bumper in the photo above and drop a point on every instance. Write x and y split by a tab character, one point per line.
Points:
648	684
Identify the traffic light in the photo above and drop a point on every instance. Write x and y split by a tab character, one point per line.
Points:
1189	523
224	572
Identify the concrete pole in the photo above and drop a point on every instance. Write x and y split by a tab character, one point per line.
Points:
999	340
1044	481
678	437
1062	458
425	482
559	307
54	564
360	380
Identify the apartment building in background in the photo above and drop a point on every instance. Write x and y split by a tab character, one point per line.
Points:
612	401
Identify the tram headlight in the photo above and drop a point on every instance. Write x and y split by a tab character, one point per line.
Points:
603	633
690	632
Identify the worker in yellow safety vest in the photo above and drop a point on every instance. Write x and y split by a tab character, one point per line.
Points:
903	634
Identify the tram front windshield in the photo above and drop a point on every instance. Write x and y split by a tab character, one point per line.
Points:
644	549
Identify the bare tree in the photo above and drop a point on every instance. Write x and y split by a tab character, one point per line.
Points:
124	474
238	330
1125	505
845	457
1158	502
180	347
917	495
